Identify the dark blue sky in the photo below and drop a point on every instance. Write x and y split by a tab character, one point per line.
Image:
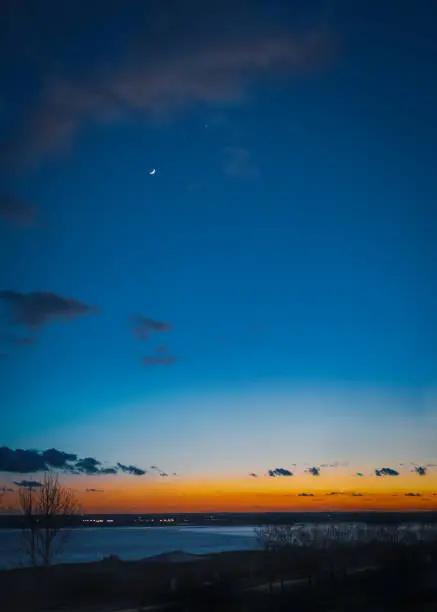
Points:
288	235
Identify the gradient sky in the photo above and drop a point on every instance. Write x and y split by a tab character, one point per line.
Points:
287	237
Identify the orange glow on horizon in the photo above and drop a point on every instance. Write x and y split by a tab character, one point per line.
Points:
258	494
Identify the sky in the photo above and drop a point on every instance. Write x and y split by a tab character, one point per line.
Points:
217	236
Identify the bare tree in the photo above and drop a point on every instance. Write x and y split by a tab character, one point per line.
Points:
47	509
26	502
271	537
55	504
278	543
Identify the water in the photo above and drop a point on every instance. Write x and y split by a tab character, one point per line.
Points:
130	543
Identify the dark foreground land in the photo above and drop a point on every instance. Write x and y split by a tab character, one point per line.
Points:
362	578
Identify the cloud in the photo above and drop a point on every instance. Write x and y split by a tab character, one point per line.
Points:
339	464
315	471
37	308
360	474
343	493
143	326
385	471
6	490
22	461
253	474
160	360
160	472
30	484
421	470
17	212
131	469
279	472
94	490
57	459
217	64
30	461
306	495
413	495
89	465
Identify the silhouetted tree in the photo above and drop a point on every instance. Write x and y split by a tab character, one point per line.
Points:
46	509
278	542
26	502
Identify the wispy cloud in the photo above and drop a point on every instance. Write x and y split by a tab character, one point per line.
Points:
94	490
253	474
144	326
161	473
38	308
413	494
28	484
207	70
360	474
306	495
168	360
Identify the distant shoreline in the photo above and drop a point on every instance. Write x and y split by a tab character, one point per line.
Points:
248	519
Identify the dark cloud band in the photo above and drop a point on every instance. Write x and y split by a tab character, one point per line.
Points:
21	461
38	308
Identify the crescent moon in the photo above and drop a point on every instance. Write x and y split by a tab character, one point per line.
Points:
153	171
